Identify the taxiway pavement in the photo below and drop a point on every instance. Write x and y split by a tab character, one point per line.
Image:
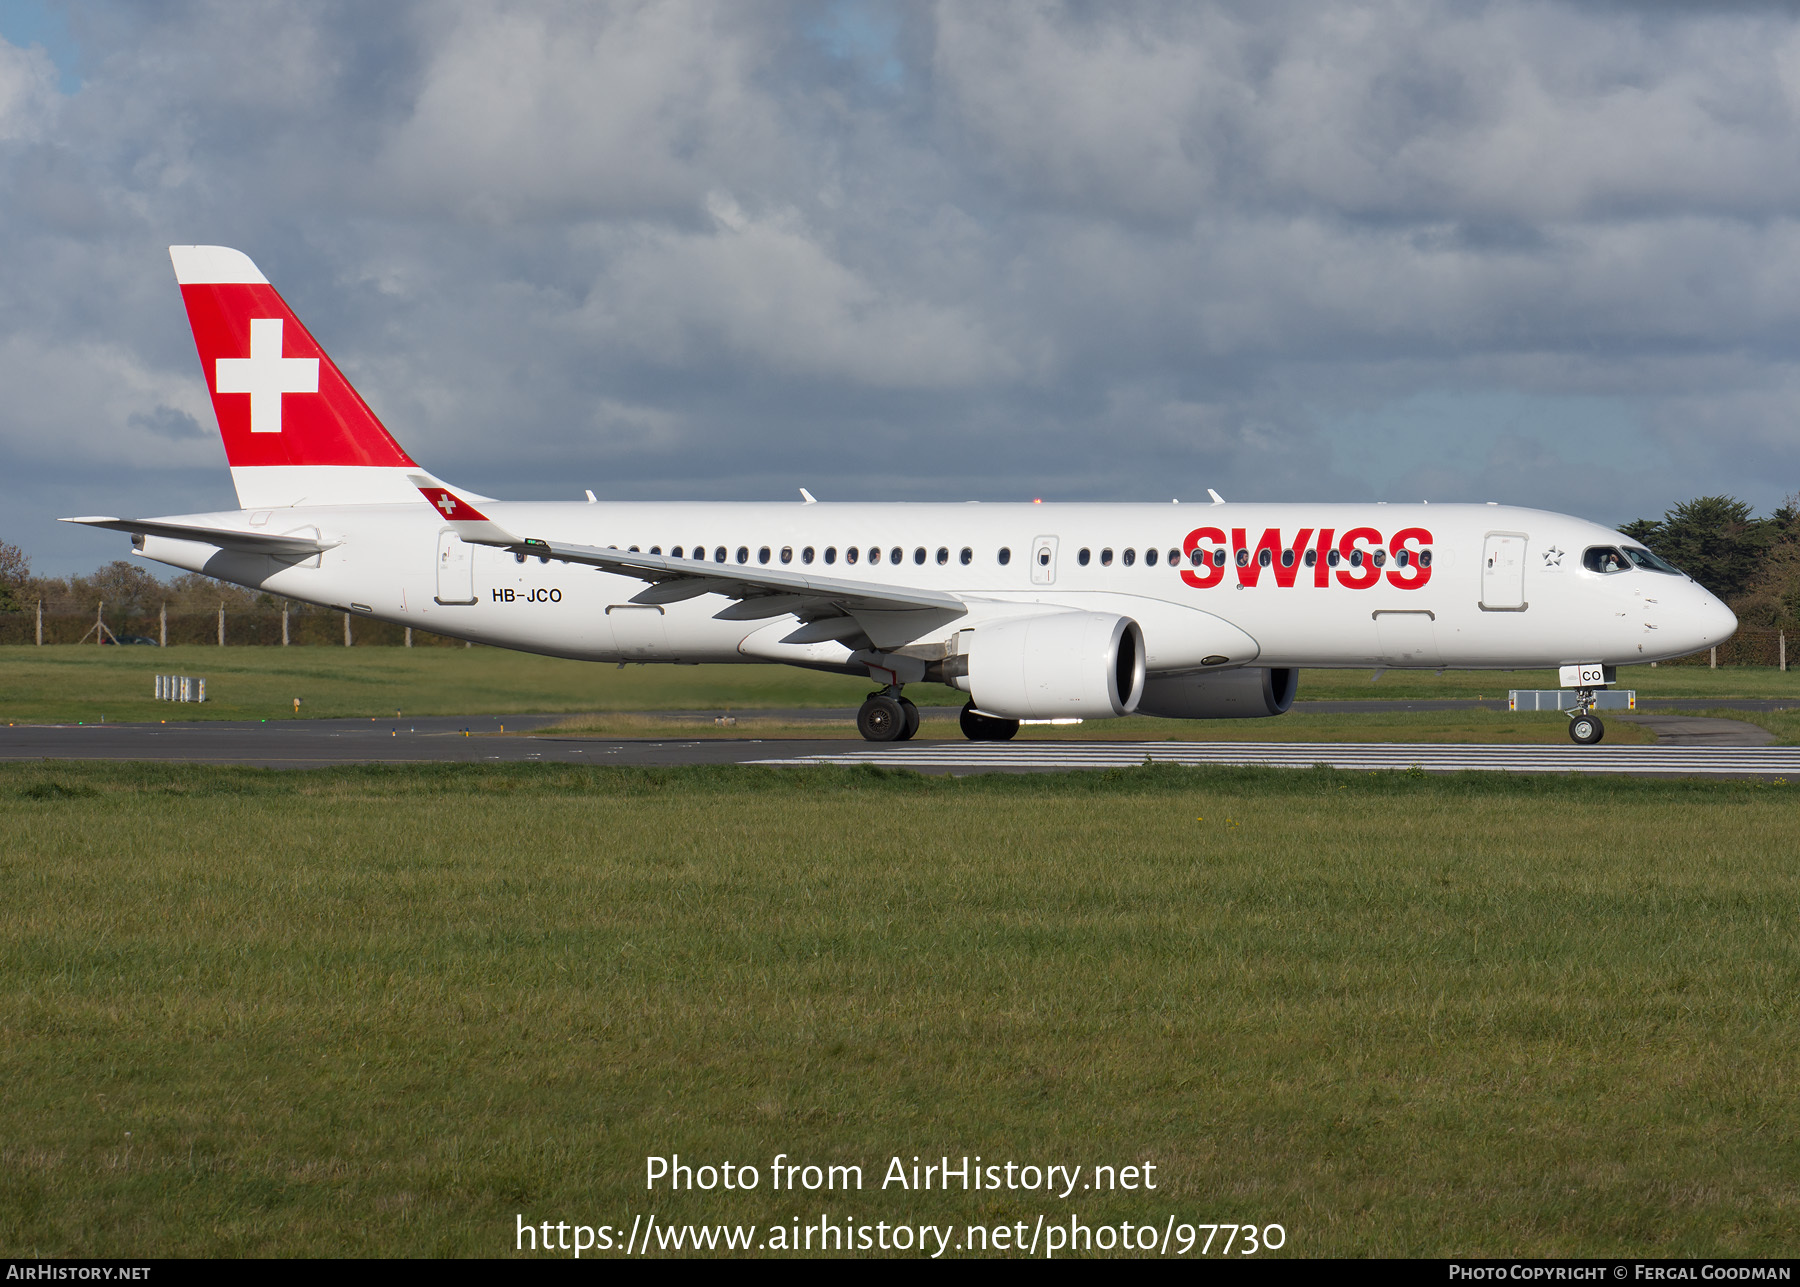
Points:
1689	746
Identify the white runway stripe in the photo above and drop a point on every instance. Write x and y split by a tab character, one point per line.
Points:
1434	757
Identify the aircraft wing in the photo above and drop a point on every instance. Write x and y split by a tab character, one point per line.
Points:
761	591
224	538
828	608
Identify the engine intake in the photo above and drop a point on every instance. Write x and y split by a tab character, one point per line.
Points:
1084	665
1248	692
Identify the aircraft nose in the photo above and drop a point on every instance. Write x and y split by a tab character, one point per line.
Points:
1710	620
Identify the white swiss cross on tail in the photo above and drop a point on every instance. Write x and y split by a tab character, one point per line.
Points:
265	375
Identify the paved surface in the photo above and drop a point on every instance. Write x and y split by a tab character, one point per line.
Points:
1026	757
1692	745
1692	730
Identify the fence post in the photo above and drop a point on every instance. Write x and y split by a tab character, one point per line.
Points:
1715	657
346	630
40	642
284	628
409	637
221	625
1784	651
163	620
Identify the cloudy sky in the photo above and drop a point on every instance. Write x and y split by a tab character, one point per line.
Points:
1544	254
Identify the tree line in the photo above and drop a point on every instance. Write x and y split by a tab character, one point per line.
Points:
1752	563
125	587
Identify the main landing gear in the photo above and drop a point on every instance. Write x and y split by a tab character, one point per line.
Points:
1585	726
986	728
887	717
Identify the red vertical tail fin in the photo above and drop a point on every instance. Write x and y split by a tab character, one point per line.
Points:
295	431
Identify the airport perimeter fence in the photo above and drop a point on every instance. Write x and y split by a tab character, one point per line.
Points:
238	627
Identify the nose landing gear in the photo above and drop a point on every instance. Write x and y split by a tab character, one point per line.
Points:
1585	727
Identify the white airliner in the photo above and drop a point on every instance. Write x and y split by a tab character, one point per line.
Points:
1036	611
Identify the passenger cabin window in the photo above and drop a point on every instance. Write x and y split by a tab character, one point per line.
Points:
1128	557
1106	557
1083	557
743	554
719	555
831	554
874	554
1604	559
762	555
1005	556
967	556
1312	558
806	555
896	555
1643	558
1150	558
656	549
787	554
850	555
943	555
1174	557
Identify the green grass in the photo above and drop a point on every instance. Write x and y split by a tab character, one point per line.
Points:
387	1011
67	684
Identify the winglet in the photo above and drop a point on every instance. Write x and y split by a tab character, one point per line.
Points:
463	518
807	498
1216	498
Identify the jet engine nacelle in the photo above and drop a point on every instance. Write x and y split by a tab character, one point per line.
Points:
1249	692
1084	665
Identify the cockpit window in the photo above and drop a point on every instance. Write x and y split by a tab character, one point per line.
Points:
1603	559
1644	559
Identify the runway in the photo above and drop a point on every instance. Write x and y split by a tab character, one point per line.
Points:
1432	757
299	744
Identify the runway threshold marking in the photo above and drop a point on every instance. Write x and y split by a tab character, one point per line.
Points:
1433	757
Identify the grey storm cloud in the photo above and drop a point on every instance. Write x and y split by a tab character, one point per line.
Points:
1539	253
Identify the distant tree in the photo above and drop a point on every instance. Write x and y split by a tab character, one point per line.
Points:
15	574
193	591
124	587
1717	540
1773	598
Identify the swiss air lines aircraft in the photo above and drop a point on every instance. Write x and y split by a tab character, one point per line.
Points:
1037	612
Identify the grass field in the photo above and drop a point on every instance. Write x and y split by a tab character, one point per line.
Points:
390	1011
69	684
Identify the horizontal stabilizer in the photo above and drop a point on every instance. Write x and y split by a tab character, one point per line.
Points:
224	538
